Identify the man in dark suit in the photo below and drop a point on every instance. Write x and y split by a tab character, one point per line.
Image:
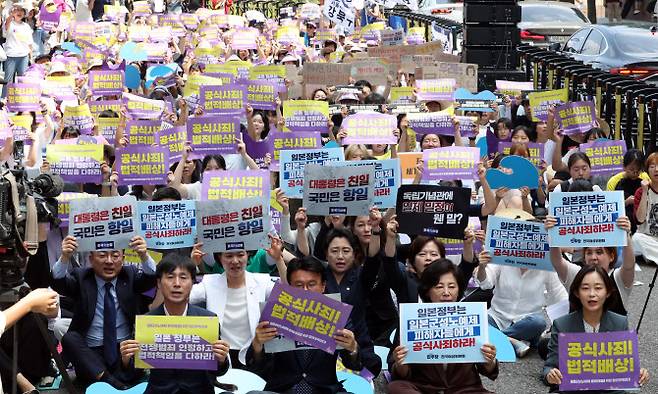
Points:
176	274
106	295
307	371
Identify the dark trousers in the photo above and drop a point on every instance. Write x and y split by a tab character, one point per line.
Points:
88	361
33	354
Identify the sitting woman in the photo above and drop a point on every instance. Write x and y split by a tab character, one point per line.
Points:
589	298
604	257
440	282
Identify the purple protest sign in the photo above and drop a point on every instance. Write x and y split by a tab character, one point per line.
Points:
441	124
143	108
536	151
23	97
575	118
106	82
235	184
142	165
245	39
599	361
261	94
142	132
291	140
606	156
257	150
213	134
220	99
288	308
49	16
450	163
435	89
174	139
370	128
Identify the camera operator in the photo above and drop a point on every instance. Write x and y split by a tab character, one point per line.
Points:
42	301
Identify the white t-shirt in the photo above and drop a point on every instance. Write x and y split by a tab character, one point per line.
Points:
235	327
193	190
19	39
624	292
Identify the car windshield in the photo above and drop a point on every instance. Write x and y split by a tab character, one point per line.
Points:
642	45
545	13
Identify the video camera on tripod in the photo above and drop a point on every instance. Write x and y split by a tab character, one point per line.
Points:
23	204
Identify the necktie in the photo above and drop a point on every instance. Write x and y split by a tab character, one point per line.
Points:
110	327
303	387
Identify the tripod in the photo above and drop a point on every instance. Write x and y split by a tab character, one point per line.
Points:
10	297
646	302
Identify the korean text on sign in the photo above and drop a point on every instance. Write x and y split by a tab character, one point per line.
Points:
235	185
599	361
444	332
167	224
305	316
330	190
105	223
586	219
225	225
518	243
176	342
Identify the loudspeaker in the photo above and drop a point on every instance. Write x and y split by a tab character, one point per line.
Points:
492	13
492	58
487	78
503	35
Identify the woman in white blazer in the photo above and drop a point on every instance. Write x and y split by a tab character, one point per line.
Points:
236	297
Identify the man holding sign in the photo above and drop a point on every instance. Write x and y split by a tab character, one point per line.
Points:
107	295
307	371
175	275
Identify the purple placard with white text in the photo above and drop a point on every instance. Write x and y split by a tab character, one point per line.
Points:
213	134
575	118
607	157
369	128
436	89
599	361
288	308
142	165
222	98
450	163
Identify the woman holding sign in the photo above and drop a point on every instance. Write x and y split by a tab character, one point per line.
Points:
440	282
604	257
590	297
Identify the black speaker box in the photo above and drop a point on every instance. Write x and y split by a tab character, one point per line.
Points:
487	78
492	13
492	58
492	35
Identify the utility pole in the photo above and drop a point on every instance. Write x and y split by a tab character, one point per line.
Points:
591	10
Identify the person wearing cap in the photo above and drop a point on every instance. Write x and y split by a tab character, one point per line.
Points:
18	44
311	27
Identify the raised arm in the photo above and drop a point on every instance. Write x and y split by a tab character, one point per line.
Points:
628	255
561	266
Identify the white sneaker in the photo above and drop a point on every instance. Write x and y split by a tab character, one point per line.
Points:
521	348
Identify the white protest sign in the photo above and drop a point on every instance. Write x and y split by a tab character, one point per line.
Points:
338	190
226	225
105	223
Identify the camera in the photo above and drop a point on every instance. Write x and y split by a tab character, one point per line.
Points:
23	204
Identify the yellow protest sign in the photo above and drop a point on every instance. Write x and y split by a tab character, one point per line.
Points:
541	101
195	81
176	342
